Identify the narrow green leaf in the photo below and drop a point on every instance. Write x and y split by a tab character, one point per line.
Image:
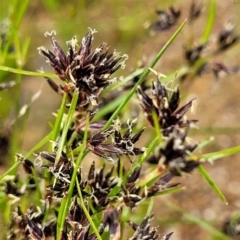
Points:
210	21
141	160
144	75
90	220
109	107
171	190
157	126
38	145
67	125
212	184
66	201
10	170
199	222
28	73
57	125
220	154
19	11
124	81
150	207
204	143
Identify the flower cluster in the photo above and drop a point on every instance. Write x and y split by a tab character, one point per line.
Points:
102	191
176	154
95	189
166	19
165	106
122	144
89	71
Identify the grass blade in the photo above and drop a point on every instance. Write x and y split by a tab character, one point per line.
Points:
144	75
210	21
67	125
28	73
199	222
38	145
57	125
220	154
124	81
204	173
66	201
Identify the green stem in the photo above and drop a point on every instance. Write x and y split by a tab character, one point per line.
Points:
143	77
86	212
66	201
67	125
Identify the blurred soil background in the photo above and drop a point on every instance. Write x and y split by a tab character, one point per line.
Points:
123	25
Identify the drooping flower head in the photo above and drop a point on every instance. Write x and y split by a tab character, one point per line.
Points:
82	68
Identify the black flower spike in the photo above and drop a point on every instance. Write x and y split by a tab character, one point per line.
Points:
167	236
76	217
126	142
193	54
35	230
175	155
111	220
195	10
227	37
62	173
165	107
144	230
160	185
11	187
97	146
101	184
166	19
121	145
82	68
231	226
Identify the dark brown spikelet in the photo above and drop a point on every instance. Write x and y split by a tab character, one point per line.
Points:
121	144
227	37
193	54
62	174
195	10
231	226
166	19
175	155
165	106
82	68
144	230
111	220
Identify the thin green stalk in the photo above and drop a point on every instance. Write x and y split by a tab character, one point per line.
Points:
157	126
220	154
11	169
136	164
150	206
210	21
199	222
144	75
66	201
19	11
216	189
28	73
141	160
38	145
86	212
67	125
57	125
124	81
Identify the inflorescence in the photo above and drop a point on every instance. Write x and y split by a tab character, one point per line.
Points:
89	72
